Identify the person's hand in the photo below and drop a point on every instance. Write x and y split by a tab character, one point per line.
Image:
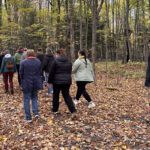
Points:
48	85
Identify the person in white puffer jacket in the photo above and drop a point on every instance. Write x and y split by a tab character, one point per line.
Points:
83	74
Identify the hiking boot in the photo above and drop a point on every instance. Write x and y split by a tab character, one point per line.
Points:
12	91
6	91
91	104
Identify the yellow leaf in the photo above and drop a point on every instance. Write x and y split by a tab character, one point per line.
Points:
124	147
50	122
24	143
5	139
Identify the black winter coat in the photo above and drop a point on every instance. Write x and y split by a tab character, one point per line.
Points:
47	62
147	81
40	57
60	71
1	58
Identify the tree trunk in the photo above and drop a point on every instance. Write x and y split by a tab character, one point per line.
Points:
81	33
0	13
86	9
72	49
58	24
126	56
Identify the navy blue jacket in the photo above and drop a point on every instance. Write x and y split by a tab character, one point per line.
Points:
31	75
147	81
60	71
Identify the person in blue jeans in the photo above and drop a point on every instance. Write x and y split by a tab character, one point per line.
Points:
47	63
31	83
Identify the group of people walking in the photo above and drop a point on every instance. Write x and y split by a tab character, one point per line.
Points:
57	68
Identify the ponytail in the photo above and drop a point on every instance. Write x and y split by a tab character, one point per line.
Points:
83	54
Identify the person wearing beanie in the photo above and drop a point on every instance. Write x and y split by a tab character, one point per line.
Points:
18	60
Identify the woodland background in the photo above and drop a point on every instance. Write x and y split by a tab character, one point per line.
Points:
108	30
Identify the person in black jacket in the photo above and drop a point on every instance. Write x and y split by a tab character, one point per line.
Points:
60	77
40	56
1	57
147	81
47	63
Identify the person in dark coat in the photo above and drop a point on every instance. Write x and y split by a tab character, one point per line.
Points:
31	83
40	56
147	81
1	58
60	77
47	63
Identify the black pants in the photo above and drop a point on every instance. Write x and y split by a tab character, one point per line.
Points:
82	90
18	68
65	92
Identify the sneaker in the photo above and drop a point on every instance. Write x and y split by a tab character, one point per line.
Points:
57	113
36	116
91	104
75	102
28	120
48	94
6	91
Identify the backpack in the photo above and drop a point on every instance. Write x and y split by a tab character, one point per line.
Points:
10	64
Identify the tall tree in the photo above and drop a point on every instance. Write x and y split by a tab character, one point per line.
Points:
95	14
72	49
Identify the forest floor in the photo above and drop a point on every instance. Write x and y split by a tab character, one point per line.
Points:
118	121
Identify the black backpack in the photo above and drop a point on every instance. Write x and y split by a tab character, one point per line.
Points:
10	64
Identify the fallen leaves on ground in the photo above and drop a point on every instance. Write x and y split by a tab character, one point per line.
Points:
118	122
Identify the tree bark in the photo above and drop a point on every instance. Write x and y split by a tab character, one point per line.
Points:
72	49
81	32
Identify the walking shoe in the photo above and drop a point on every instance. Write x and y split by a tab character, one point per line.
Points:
91	104
36	116
57	113
75	101
12	91
48	94
28	120
6	91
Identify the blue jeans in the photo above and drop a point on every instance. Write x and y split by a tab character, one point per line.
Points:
50	89
27	97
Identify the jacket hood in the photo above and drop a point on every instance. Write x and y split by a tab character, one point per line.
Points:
62	58
7	56
49	55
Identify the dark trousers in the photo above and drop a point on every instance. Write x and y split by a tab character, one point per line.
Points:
82	90
18	68
8	76
65	92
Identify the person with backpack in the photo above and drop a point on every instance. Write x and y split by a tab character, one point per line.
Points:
18	60
47	63
8	68
83	74
31	83
60	77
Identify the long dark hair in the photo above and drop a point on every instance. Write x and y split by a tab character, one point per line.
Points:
82	52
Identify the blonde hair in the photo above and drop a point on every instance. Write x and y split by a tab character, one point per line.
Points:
30	52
